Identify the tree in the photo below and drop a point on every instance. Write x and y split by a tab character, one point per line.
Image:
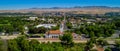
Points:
20	42
34	45
25	45
101	42
55	28
9	29
1	45
92	35
59	49
21	29
90	44
69	25
67	39
13	46
42	30
108	49
35	30
93	50
77	30
118	45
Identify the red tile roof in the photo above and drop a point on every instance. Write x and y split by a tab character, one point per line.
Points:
54	32
100	48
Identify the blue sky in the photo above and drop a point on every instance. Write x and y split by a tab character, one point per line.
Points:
24	4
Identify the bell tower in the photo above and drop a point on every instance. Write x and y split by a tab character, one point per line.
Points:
63	25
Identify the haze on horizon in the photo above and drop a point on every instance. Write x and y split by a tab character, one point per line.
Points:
25	4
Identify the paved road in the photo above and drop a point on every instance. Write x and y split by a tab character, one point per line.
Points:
116	34
112	39
44	39
8	37
57	40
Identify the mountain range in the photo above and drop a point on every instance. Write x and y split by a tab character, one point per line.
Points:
88	7
75	10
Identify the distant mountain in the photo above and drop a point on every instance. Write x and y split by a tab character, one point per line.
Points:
97	7
75	10
57	8
49	8
34	8
85	7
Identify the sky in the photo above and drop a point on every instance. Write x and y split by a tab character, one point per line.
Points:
25	4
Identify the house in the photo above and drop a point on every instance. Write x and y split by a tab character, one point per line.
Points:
53	34
2	33
43	19
50	20
72	21
56	33
91	20
33	18
75	36
26	30
103	19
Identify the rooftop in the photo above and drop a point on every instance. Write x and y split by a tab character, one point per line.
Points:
46	25
54	32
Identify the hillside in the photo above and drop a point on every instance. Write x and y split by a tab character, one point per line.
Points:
75	10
